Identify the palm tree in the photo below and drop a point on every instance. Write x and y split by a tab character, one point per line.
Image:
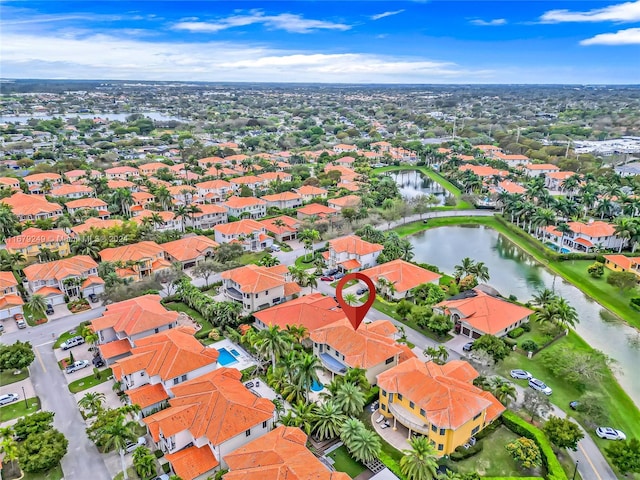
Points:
92	403
299	332
86	245
363	444
304	416
9	447
328	420
438	354
182	213
116	435
625	229
504	391
481	272
306	372
144	462
543	217
566	315
274	342
38	305
605	207
308	236
349	399
464	268
420	462
269	260
163	197
350	298
563	228
544	297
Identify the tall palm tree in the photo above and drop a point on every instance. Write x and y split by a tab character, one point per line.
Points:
308	236
625	228
37	304
563	228
544	297
182	213
86	245
274	342
163	197
116	435
566	315
420	462
464	268
144	462
306	372
92	402
363	444
304	416
543	217
604	208
298	332
504	391
328	420
481	272
9	447
350	399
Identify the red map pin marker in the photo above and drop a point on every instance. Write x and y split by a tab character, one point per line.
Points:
356	314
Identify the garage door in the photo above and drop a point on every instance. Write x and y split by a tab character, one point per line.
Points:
466	332
55	299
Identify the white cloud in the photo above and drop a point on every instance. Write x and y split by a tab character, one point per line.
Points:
630	36
489	23
105	56
385	14
623	12
288	22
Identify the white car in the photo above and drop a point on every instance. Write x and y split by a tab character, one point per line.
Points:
540	386
141	442
78	365
609	433
8	398
521	374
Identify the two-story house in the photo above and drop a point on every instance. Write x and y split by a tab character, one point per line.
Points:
124	323
208	418
151	168
208	217
88	204
585	237
167	220
126	184
183	194
41	183
344	148
252	181
250	234
10	300
316	210
539	169
271	177
257	287
622	263
245	207
71	191
554	181
32	240
159	362
74	277
81	176
283	227
138	260
309	192
122	173
9	183
371	347
398	278
351	253
32	207
214	191
283	200
348	201
93	223
437	401
190	250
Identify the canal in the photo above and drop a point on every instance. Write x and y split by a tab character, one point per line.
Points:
514	272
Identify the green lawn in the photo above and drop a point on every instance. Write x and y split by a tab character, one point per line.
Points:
344	462
494	460
89	381
181	307
250	257
346	285
30	317
18	409
7	377
302	261
53	474
389	309
66	336
130	472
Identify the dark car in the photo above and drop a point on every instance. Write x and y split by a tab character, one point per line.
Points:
338	275
98	362
93	297
332	272
49	310
362	291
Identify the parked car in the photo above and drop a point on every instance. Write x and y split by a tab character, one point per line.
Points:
8	398
467	347
131	446
330	273
77	365
362	291
609	433
98	362
540	386
574	405
327	278
339	275
275	248
19	318
521	374
72	342
93	298
49	310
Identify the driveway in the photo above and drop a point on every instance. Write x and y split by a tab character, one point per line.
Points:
10	326
27	384
59	311
111	398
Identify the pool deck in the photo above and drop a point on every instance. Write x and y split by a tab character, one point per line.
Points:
244	360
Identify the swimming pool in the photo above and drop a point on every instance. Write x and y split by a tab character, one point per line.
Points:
316	387
226	358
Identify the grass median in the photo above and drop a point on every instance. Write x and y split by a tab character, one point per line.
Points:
89	381
7	377
19	409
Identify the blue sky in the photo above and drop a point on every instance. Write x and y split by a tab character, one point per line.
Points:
517	41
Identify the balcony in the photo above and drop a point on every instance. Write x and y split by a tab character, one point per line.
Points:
408	419
233	294
332	364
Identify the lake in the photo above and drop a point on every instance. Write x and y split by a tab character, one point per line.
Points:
514	272
412	183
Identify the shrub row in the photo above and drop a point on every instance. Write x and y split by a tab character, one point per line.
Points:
635	303
392	465
516	332
372	395
461	453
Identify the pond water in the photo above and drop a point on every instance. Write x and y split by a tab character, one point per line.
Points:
514	272
412	183
109	116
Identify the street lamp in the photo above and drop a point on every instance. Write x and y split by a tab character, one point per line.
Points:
24	395
575	471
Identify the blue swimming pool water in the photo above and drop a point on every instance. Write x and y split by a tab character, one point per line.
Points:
234	352
316	387
225	357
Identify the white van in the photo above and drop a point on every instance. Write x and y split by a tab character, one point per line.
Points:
72	342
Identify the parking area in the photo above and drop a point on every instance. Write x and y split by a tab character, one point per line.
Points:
457	342
10	325
59	311
80	352
111	398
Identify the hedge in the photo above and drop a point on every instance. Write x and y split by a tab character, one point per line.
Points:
461	453
525	429
392	465
372	395
516	332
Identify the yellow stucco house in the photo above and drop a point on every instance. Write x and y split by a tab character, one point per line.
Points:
32	240
620	263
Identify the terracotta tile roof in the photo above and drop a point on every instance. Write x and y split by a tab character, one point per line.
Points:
178	189
312	311
282	197
542	166
311	190
8	280
352	187
46	291
118	170
35	236
23	205
560	175
272	176
511	187
135	315
168	354
594	229
95	223
64	190
76	174
142	197
241	202
147	395
291	288
361	348
215	405
77	266
316	209
10	301
189	248
279	455
346	201
291	224
620	260
340	168
93	280
448	401
166	216
353	244
10	182
208	209
583	241
212	160
134	252
213	185
246	180
403	275
482	171
350	264
152	167
192	462
41	177
115	348
90	202
344	146
115	184
241	227
255	278
486	148
486	313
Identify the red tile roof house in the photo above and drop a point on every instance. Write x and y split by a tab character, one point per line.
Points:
279	455
122	173
539	169
342	148
159	362
371	347
71	191
138	260
349	201
81	176
88	204
36	181
257	287
404	277
316	210
214	191
282	233
251	181
209	417
250	234
10	300
208	217
351	253
32	207
309	192
190	251
73	276
583	237
555	180
271	177
245	207
477	313
169	220
283	200
123	323
9	183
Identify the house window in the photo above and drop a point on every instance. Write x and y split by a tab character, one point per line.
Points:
184	378
442	431
247	433
475	430
434	428
388	361
399	396
477	416
384	407
264	424
422	412
412	405
384	393
391	397
440	447
176	381
157	330
142	374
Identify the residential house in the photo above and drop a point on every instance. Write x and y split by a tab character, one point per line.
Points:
348	201
10	300
9	183
309	192
32	207
476	313
483	171
94	223
182	194
554	181
140	202
245	207
150	169
283	200
159	362
138	260
251	181
282	228
36	183
371	347
32	240
71	191
511	160
271	177
208	217
208	418
539	169
190	251
316	210
123	323
343	148
81	176
398	278
584	237
257	287
250	234
88	204
489	150
169	220
214	191
122	173
279	455
621	263
351	253
209	162
511	187
74	277
437	401
345	161
126	184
